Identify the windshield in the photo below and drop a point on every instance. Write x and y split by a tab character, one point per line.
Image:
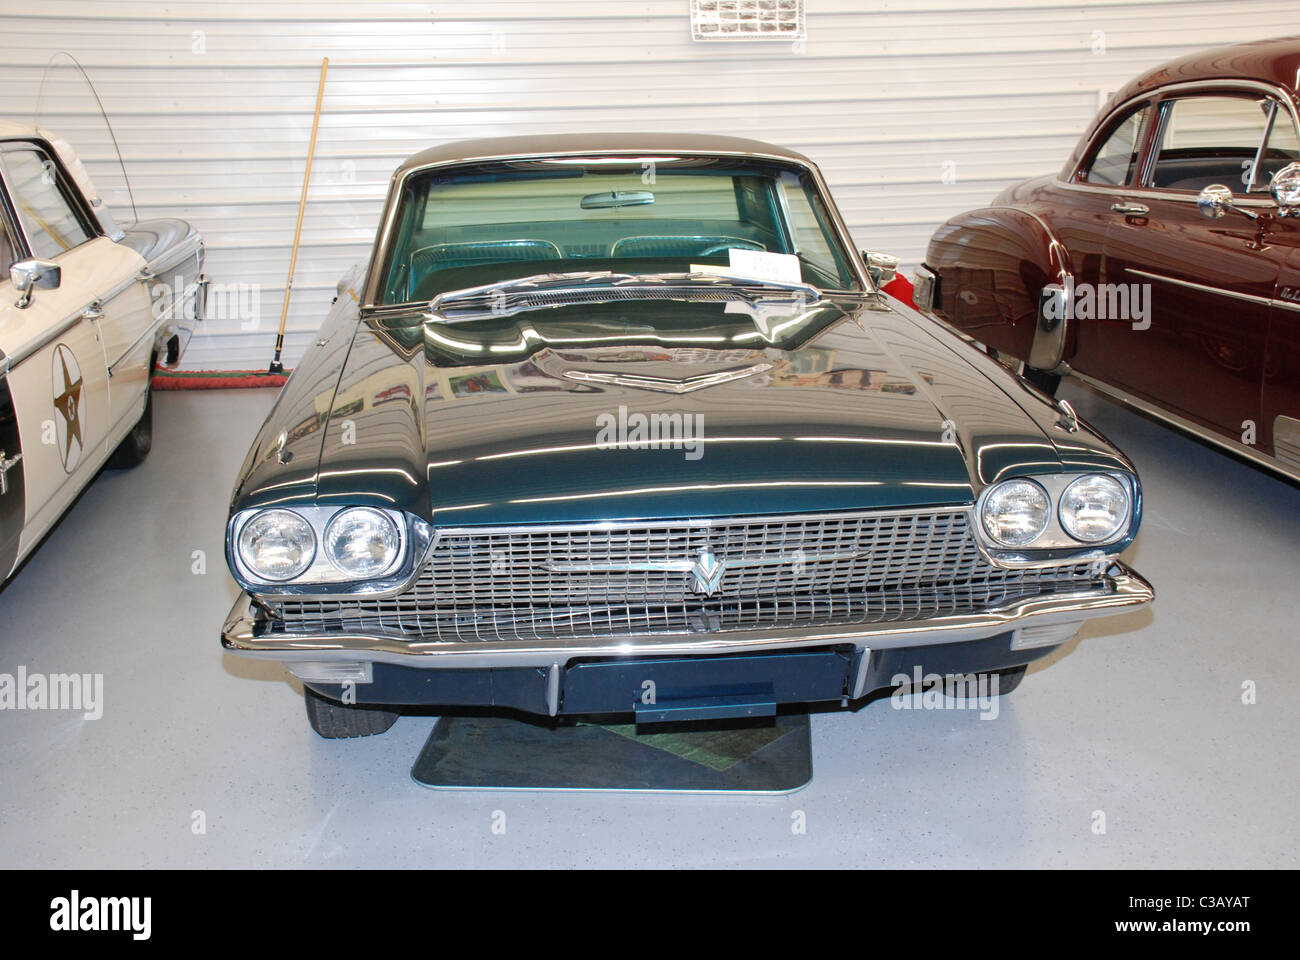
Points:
485	223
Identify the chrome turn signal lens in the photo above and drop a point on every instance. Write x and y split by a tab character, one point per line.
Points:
277	545
1015	512
1094	508
362	542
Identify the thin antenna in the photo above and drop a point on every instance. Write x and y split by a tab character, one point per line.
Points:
40	97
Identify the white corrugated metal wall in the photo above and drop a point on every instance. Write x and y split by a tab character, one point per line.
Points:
915	109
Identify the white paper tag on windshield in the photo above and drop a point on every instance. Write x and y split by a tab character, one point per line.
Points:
761	265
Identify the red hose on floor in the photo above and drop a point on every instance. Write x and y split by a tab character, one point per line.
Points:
217	379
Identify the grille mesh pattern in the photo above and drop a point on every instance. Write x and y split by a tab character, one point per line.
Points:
519	584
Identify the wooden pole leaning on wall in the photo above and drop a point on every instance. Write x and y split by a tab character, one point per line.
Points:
276	365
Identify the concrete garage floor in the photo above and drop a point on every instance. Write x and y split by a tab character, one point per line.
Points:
1142	720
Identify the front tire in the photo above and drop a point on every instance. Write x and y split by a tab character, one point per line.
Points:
135	446
343	721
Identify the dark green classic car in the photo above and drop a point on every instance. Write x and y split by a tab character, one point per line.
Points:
621	424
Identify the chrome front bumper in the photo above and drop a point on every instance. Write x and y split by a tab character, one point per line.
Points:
1029	619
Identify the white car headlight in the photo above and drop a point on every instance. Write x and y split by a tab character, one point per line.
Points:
362	542
1015	512
1094	508
277	545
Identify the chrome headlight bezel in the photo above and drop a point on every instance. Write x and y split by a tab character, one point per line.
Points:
242	545
390	532
1120	526
322	578
1034	488
1056	545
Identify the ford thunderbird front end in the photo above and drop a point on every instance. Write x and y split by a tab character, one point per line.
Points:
622	425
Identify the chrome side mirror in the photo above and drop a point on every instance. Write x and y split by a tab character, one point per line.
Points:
883	267
29	275
925	287
1216	200
1285	188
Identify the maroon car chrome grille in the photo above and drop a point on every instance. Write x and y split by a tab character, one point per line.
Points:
601	580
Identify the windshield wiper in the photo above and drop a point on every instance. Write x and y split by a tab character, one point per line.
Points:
550	290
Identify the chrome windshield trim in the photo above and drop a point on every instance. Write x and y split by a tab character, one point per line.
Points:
1124	589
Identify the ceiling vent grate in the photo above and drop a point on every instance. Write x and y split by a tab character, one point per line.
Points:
748	20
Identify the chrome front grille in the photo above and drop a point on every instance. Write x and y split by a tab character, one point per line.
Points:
552	582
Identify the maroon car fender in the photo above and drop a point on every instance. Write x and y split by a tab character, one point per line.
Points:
996	267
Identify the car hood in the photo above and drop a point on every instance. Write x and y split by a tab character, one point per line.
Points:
596	412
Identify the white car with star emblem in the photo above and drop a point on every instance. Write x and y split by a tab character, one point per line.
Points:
87	312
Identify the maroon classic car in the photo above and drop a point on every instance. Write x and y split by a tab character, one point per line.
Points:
1161	265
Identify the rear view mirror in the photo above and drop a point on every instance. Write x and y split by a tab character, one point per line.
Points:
29	275
617	198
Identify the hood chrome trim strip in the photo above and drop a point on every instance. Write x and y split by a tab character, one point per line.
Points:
667	384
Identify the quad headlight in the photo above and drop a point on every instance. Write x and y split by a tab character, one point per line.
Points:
1094	508
362	542
1015	513
1062	513
308	549
277	545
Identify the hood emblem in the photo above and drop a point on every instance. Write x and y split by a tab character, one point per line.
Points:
668	384
706	569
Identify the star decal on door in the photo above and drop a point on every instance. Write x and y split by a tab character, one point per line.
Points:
69	401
